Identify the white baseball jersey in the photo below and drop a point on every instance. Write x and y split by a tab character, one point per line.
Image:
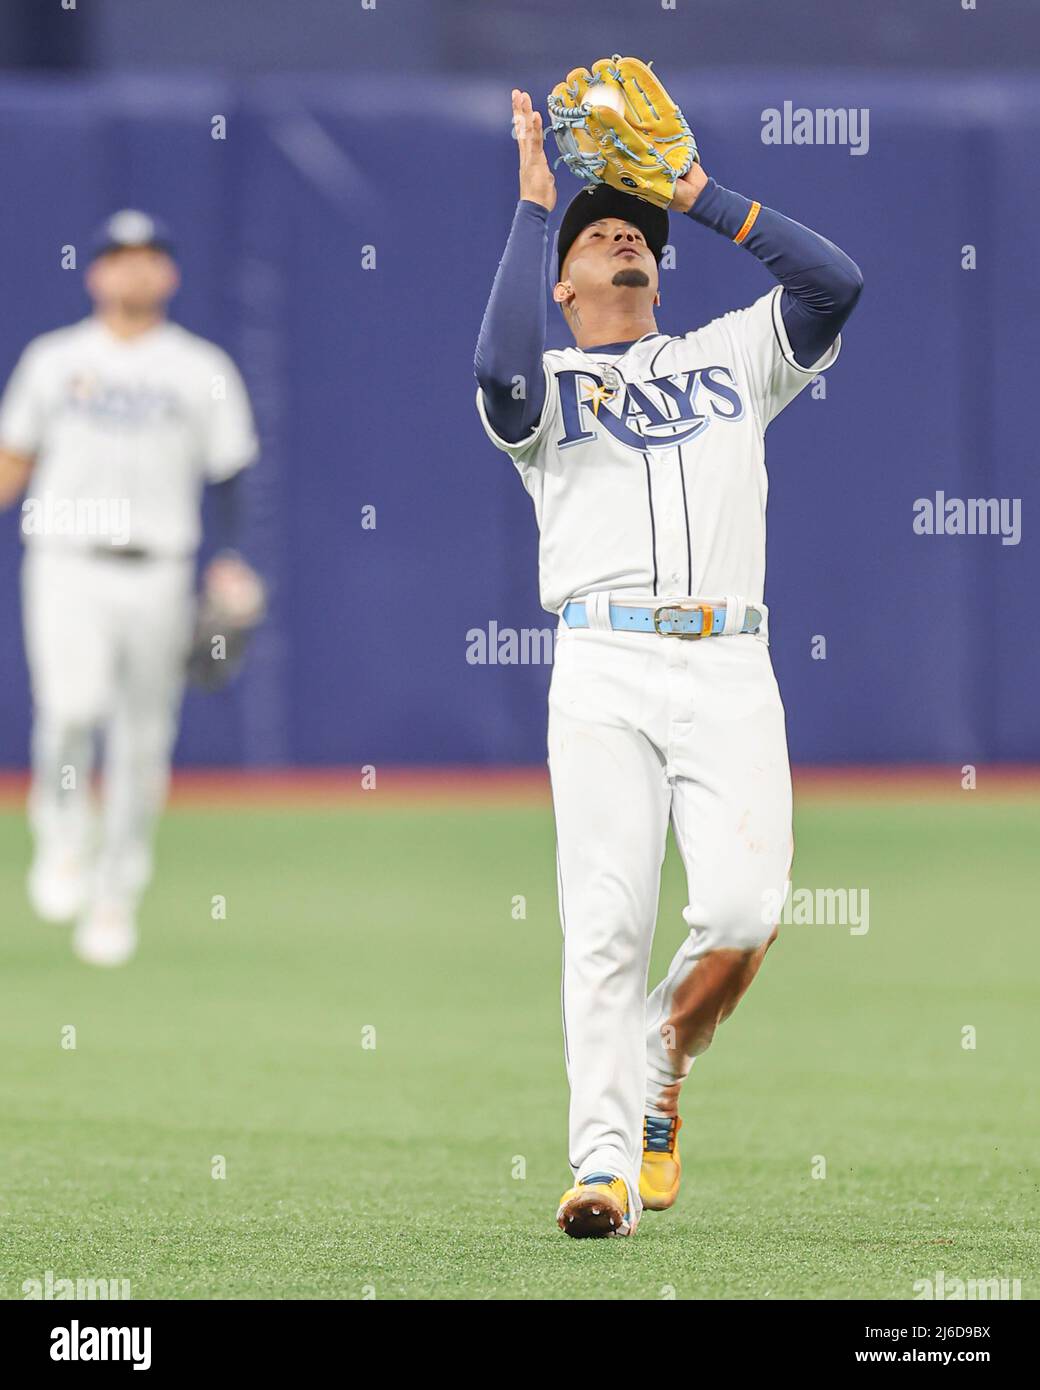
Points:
647	467
136	424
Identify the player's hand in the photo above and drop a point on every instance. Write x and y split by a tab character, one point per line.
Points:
537	184
688	188
235	587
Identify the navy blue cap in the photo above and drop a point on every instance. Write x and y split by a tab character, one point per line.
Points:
130	228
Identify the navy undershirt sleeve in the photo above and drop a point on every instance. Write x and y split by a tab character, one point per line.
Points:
227	511
512	335
821	284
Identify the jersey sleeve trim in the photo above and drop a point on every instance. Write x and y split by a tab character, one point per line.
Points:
21	425
787	352
520	446
219	470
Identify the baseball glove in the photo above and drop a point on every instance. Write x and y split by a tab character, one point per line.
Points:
618	125
231	607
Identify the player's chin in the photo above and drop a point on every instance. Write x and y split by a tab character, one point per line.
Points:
632	278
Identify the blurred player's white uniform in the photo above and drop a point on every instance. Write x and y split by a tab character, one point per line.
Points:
125	433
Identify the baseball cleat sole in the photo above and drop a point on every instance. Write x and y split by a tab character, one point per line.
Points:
592	1216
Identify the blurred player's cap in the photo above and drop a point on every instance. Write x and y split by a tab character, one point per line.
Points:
130	228
603	201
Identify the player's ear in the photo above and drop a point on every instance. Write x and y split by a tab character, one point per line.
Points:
563	292
657	300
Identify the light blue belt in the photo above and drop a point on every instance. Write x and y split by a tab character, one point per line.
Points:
670	620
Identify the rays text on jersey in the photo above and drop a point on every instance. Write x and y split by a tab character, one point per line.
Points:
660	413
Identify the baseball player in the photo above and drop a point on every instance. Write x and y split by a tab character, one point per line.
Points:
643	453
114	425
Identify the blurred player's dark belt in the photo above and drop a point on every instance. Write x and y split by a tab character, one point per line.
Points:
122	552
687	620
134	552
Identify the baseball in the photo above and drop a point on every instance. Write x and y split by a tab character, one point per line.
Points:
605	96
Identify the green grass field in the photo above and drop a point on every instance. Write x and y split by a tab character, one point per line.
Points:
392	1170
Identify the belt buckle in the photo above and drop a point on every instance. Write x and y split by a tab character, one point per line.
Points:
706	610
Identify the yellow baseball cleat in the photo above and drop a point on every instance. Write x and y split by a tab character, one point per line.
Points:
662	1167
596	1206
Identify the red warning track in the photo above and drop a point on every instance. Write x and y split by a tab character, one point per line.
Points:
419	787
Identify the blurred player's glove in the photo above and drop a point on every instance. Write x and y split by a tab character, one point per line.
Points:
231	607
618	125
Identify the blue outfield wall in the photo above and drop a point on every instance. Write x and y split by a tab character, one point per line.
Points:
362	381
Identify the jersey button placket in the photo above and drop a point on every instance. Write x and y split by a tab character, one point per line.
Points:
672	545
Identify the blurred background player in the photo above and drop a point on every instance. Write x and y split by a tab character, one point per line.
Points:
114	425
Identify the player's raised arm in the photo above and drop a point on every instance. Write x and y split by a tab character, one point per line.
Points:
508	360
821	284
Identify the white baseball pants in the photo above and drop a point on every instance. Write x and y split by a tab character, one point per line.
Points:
106	640
644	729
